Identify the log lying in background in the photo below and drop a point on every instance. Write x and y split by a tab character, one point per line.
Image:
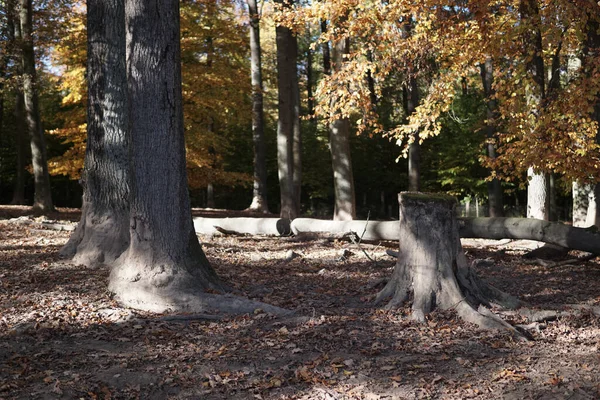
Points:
368	230
531	229
483	228
249	226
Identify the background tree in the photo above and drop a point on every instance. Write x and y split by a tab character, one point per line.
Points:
259	195
103	231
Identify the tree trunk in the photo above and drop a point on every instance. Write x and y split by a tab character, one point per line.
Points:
297	134
495	203
325	51
259	192
538	198
210	196
103	231
164	267
286	73
341	156
432	265
411	101
42	197
581	201
20	145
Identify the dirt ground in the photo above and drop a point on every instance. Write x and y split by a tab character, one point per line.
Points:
63	337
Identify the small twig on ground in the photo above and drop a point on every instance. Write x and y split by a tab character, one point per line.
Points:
227	231
190	317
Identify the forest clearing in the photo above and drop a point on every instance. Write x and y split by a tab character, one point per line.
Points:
63	337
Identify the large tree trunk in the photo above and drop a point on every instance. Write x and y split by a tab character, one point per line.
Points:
103	231
432	265
495	204
259	191
297	134
286	73
42	197
341	156
164	267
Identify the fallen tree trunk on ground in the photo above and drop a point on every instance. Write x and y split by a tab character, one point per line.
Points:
531	229
248	226
483	228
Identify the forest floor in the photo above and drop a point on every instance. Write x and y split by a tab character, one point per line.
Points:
63	337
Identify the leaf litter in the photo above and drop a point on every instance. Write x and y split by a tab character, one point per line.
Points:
63	337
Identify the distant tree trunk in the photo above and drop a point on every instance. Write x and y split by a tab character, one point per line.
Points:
371	83
297	135
164	262
538	199
42	198
103	231
411	101
591	52
432	265
210	196
20	143
286	74
581	201
341	156
495	203
259	193
325	51
13	34
310	102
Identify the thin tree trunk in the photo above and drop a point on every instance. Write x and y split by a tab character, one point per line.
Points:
20	145
259	191
341	156
297	134
495	203
538	200
210	196
325	51
286	73
42	198
411	93
103	231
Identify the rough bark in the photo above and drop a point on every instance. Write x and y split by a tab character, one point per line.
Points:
286	73
259	189
42	196
432	266
538	195
103	231
341	157
495	203
164	267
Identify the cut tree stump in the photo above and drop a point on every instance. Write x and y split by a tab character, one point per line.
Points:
432	265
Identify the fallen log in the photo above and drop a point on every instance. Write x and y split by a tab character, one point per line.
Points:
573	238
365	230
531	229
249	226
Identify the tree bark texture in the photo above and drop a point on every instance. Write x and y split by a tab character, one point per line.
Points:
431	264
21	150
495	203
286	74
538	195
341	156
103	231
164	266
259	190
42	197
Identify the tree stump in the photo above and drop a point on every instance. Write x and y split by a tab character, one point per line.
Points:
432	265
